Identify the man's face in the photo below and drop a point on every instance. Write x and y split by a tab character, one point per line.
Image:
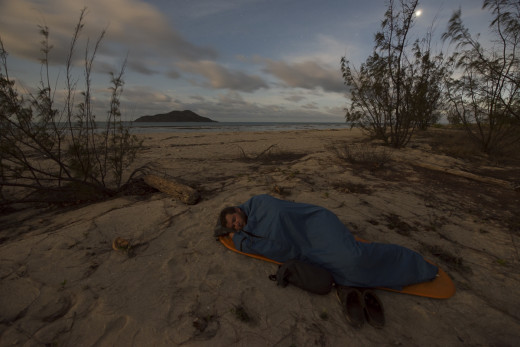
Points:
236	220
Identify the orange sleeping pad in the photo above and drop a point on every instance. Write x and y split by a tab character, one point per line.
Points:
441	287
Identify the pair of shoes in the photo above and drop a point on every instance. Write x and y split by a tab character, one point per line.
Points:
360	305
373	309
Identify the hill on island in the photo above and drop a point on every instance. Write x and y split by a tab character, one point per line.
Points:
175	116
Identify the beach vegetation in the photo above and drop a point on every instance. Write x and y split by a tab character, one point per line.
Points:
363	154
241	314
451	141
484	97
53	149
502	262
399	87
394	222
270	155
351	187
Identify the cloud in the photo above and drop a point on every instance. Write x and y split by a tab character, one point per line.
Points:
295	98
233	107
140	95
142	101
173	74
197	97
204	8
140	67
133	27
219	77
307	74
232	98
311	106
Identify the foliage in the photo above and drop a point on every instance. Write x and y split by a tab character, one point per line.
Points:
485	99
398	88
367	154
425	94
52	151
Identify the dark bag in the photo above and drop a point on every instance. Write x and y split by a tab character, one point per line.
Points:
306	276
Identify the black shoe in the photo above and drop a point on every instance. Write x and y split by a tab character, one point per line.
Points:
373	309
352	304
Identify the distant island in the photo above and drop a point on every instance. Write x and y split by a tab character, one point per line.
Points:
175	116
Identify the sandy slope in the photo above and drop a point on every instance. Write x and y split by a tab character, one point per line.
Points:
62	283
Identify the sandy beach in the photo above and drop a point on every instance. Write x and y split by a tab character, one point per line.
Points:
63	284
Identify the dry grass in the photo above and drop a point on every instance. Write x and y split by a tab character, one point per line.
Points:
450	141
454	262
366	154
350	187
454	141
271	155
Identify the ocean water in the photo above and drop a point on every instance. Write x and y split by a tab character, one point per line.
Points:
159	127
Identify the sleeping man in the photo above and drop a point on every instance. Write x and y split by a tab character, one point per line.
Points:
284	230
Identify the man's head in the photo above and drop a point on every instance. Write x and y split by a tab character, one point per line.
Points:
233	218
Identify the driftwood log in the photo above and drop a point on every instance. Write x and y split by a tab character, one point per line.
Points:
468	175
177	190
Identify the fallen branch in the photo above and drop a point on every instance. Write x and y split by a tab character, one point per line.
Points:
177	190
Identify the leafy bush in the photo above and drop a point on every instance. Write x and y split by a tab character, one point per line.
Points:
399	87
485	99
56	151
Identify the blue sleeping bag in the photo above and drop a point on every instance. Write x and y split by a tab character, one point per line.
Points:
284	230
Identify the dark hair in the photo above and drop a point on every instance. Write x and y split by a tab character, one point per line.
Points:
224	213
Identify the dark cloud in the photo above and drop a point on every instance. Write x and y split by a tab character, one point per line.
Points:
308	75
197	97
219	77
295	98
173	74
140	67
132	27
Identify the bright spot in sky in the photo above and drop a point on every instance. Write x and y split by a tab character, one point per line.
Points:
418	13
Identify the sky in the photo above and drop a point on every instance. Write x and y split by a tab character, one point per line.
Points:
229	60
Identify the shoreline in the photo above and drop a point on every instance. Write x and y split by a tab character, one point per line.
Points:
233	126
